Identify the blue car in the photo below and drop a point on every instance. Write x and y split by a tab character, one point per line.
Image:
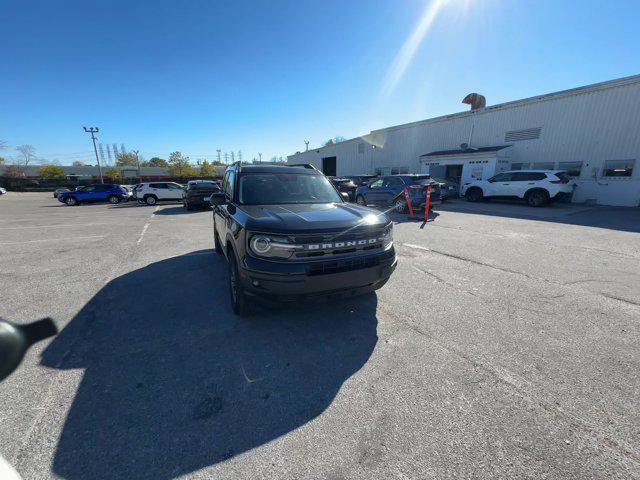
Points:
101	192
387	191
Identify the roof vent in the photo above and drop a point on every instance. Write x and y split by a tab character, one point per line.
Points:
475	100
526	134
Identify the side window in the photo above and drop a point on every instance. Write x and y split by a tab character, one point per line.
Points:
174	186
377	183
501	177
230	184
225	182
89	189
394	182
527	176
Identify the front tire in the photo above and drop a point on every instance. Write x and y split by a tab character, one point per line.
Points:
71	201
236	290
150	200
400	206
113	199
473	195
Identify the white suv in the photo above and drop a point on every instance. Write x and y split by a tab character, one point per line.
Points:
537	187
154	192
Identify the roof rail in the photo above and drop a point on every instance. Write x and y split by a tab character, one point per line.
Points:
305	165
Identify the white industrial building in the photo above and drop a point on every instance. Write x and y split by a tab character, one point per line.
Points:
593	132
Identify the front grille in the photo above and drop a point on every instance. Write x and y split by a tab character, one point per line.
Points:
337	266
342	243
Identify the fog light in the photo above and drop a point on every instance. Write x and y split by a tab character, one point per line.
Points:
256	283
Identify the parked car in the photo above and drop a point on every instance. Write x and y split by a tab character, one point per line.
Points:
361	180
288	235
101	192
198	192
536	187
3	191
58	191
154	192
345	185
389	191
448	189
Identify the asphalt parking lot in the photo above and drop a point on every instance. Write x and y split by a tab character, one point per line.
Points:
505	345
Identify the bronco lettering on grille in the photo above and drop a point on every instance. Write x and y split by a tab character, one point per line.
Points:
352	243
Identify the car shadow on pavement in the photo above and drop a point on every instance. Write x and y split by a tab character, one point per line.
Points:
173	382
179	211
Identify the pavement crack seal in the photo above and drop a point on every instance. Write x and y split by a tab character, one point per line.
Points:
621	299
442	280
523	389
477	262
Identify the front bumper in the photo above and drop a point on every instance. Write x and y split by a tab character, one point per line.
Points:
336	278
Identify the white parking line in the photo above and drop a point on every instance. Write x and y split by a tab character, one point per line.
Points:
146	225
66	239
144	229
416	246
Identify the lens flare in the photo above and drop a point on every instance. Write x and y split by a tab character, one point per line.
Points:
405	55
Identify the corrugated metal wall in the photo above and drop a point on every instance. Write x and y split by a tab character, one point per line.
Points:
589	126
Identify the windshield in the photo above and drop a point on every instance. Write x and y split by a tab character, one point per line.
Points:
279	188
204	186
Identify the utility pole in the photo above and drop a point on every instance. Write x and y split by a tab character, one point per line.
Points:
240	156
138	162
226	158
233	157
306	143
218	150
260	155
93	131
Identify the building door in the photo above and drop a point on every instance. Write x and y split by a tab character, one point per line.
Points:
453	172
329	166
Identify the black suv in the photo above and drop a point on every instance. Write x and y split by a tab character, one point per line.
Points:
288	234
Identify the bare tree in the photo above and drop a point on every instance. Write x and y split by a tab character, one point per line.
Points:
3	144
28	152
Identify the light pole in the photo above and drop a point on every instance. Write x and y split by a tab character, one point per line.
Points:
260	155
306	143
138	162
93	131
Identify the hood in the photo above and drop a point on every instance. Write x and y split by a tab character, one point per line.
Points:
314	217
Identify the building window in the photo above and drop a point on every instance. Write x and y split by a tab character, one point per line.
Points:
543	166
399	170
573	169
361	148
526	134
378	171
618	168
519	166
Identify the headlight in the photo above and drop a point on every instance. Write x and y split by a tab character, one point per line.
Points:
387	235
270	246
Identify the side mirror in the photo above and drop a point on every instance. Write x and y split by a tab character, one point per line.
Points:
218	198
15	340
345	196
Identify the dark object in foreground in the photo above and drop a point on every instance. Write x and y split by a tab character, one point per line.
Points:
16	339
288	234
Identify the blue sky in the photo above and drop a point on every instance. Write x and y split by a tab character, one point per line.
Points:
263	76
